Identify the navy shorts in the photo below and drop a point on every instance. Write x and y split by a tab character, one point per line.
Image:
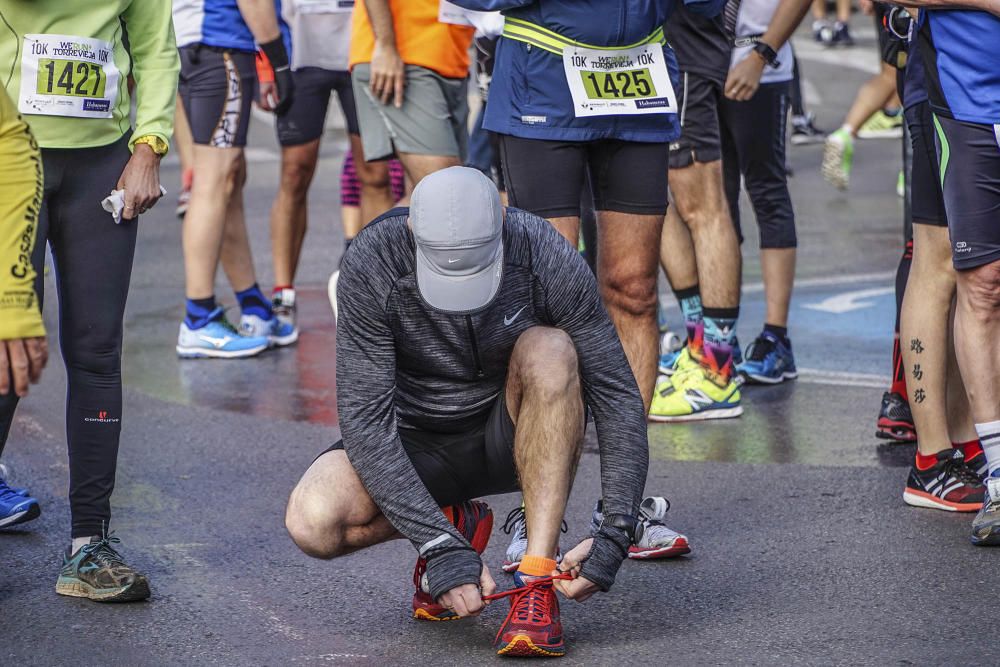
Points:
306	117
969	154
217	87
926	198
701	138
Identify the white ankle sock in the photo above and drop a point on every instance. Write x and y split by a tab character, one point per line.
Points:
79	542
989	436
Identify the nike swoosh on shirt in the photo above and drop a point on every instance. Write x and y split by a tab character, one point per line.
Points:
507	321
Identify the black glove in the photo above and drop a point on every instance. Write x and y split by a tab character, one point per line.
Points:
275	52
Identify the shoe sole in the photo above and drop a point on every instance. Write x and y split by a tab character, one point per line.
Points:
424	615
901	434
27	515
764	379
679	548
204	353
805	141
78	589
881	134
521	646
721	413
916	498
833	158
990	539
282	341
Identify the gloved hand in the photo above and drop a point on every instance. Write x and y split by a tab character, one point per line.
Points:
284	86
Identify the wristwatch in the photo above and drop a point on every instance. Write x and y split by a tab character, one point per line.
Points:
158	145
769	55
632	526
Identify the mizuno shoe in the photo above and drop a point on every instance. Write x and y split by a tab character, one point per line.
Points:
279	332
97	572
895	421
474	519
517	528
16	506
986	525
769	361
532	627
218	339
838	157
657	540
690	395
948	485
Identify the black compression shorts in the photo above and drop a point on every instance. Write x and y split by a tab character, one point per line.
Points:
700	139
547	177
926	199
305	118
217	88
461	466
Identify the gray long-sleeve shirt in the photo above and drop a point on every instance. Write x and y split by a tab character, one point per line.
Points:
401	361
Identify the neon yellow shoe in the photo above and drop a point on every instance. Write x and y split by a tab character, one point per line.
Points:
882	126
690	395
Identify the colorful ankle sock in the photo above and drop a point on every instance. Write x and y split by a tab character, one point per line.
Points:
989	437
690	302
198	311
253	302
720	337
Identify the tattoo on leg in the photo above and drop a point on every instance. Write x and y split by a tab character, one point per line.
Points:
919	395
916	345
918	373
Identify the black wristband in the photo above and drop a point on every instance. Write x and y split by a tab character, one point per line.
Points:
276	53
770	55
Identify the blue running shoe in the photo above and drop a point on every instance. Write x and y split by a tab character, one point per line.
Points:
16	506
769	361
278	330
218	339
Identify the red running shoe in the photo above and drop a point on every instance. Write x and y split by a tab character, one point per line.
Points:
474	520
532	627
895	422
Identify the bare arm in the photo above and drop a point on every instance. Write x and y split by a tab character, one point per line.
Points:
744	77
991	6
388	71
262	19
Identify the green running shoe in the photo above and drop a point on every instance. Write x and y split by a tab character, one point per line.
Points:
97	572
838	155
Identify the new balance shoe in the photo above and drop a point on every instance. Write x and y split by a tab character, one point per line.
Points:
217	339
882	126
895	421
16	506
516	526
672	361
986	525
692	395
838	157
532	627
98	572
948	485
804	130
769	360
474	519
278	332
657	540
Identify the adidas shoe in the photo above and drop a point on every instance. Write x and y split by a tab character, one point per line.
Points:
948	485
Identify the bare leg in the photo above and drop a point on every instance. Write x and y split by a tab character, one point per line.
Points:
819	10
376	193
778	267
627	263
351	217
569	227
545	400
288	213
872	96
923	335
677	252
418	166
237	260
183	140
843	10
961	428
977	330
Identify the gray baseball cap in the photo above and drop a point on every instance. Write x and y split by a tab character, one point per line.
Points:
457	223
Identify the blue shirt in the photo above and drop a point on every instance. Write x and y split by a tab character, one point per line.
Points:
218	23
961	50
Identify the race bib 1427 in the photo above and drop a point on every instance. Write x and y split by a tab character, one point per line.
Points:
66	75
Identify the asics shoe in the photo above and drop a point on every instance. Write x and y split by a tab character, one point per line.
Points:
517	528
895	422
882	126
532	627
804	130
474	519
769	361
98	572
278	332
948	485
217	339
657	541
986	525
692	395
838	156
16	506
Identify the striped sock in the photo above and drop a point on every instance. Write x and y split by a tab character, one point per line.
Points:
989	436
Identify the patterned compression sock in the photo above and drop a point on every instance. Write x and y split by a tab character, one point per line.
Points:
253	302
720	339
989	436
198	311
690	302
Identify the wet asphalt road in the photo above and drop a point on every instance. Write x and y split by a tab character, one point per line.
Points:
803	552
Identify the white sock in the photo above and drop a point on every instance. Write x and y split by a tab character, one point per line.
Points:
79	542
989	436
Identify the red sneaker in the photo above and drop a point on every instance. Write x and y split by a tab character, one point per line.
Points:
532	627
474	519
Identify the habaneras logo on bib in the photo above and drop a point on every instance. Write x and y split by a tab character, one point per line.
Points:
96	105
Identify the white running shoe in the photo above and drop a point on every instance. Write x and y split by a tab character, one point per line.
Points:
657	540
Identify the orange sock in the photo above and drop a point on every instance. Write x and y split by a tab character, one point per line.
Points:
537	566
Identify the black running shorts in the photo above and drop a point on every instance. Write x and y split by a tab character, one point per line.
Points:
700	139
926	199
969	154
461	466
217	87
305	118
547	177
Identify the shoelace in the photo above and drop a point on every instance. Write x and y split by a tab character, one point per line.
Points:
536	611
516	515
960	471
103	552
760	348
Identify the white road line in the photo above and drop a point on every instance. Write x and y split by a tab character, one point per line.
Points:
843	379
863	60
830	281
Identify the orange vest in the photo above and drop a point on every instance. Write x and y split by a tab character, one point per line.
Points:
420	38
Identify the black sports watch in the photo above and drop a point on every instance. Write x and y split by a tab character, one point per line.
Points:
769	55
632	526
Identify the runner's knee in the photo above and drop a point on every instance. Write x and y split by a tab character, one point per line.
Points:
547	362
631	290
373	174
314	526
296	175
982	291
